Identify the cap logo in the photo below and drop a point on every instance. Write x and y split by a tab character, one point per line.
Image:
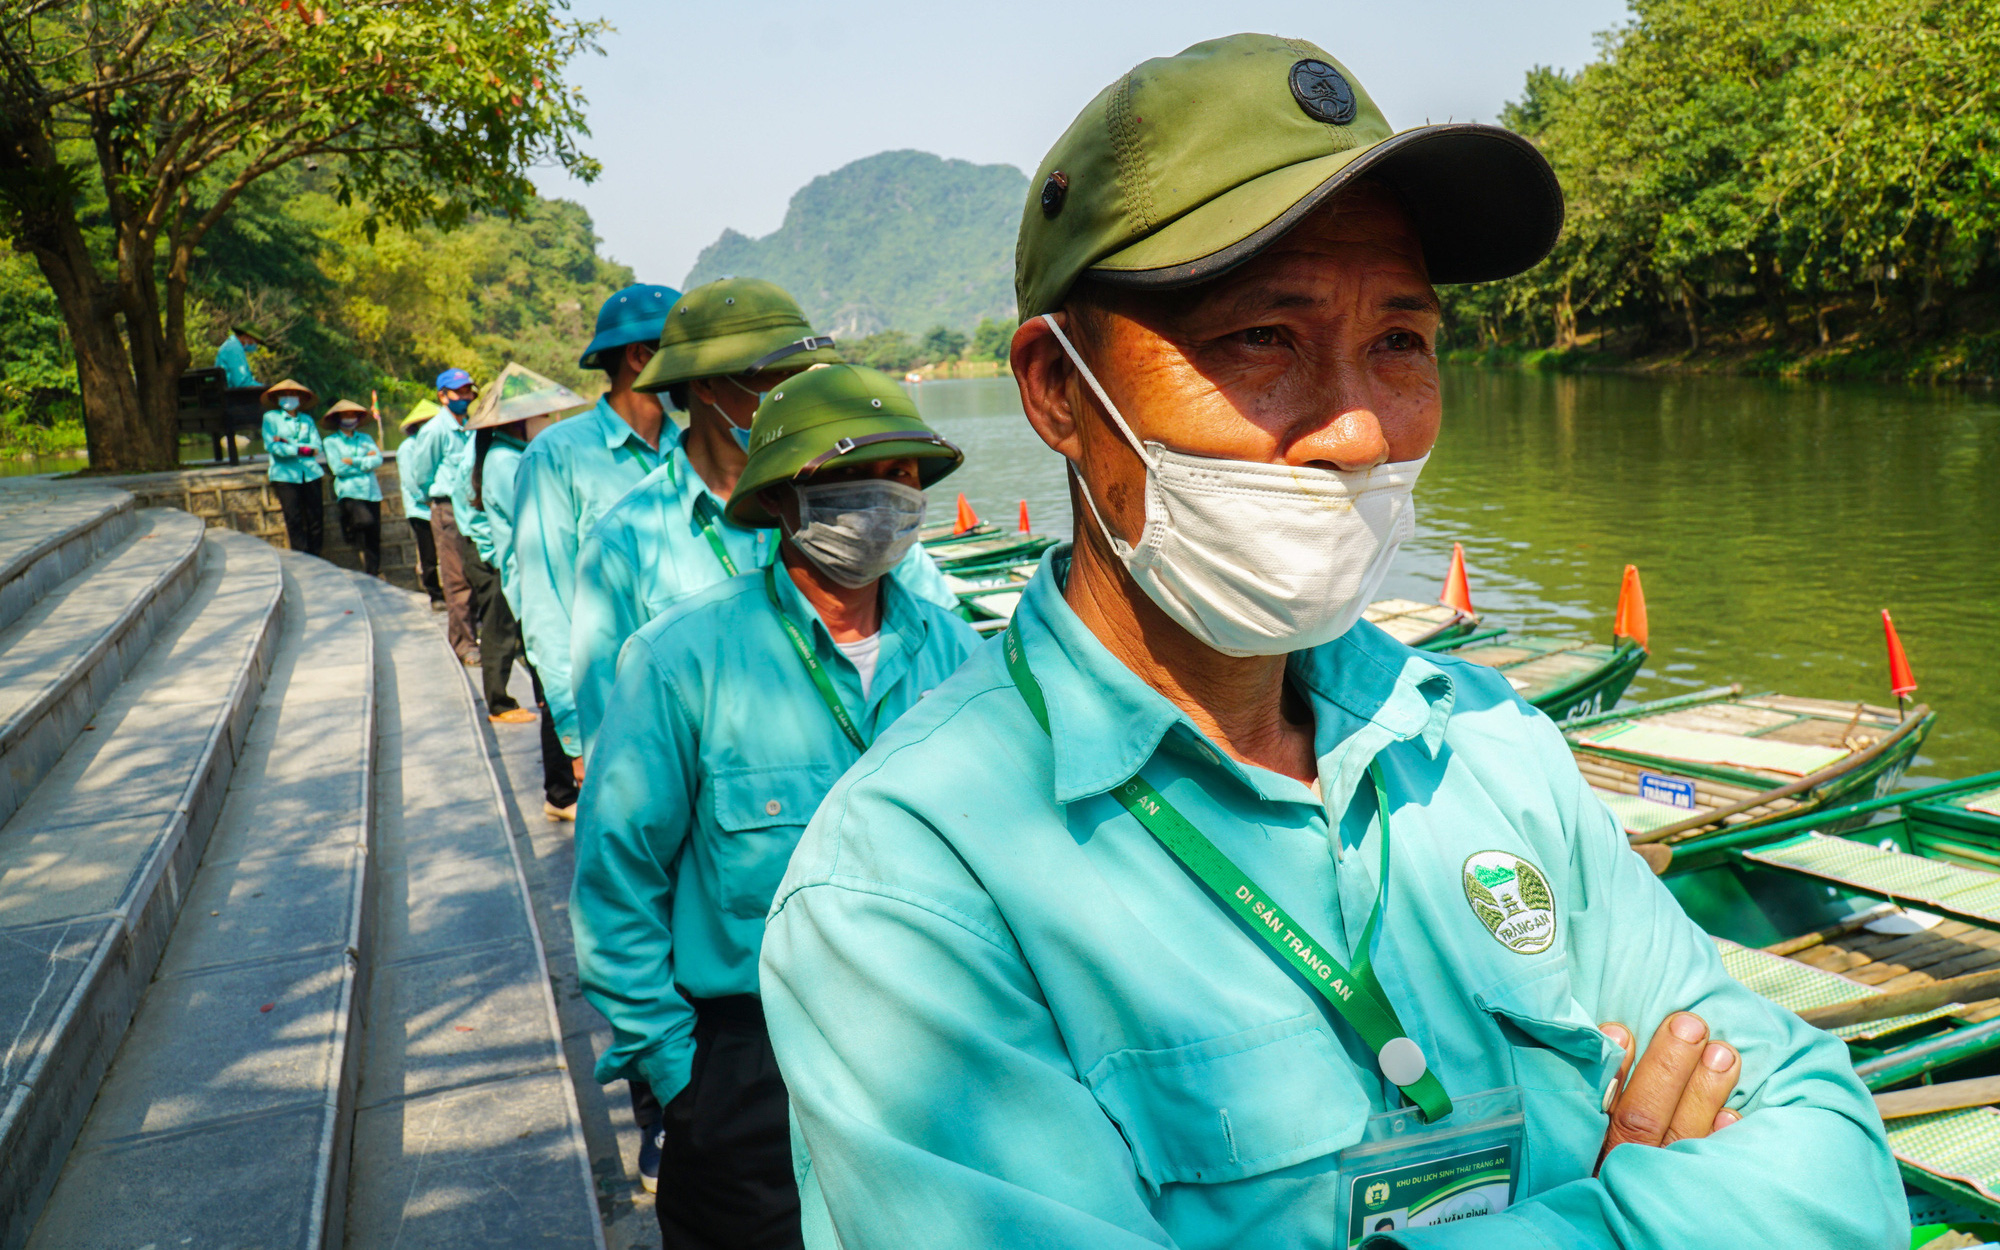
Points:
1320	91
1053	192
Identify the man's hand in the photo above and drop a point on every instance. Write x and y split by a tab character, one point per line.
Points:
576	768
1677	1088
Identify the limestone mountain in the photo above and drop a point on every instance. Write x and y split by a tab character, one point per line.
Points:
895	241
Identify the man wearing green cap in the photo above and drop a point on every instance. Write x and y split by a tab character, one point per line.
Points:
732	715
1200	912
569	477
726	344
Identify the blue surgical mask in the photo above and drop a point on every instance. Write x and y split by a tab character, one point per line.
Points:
290	403
741	433
350	424
458	406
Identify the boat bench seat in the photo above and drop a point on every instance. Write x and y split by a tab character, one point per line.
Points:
1696	746
1797	987
1907	879
1962	1146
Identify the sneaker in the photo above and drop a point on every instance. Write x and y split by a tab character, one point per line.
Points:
439	605
513	716
553	812
470	659
650	1143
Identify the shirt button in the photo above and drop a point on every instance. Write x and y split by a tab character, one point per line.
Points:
773	807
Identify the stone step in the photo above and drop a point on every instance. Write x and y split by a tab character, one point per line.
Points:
48	533
225	1119
93	866
61	659
468	1133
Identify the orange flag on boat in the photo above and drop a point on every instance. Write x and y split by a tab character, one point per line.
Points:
1023	527
1630	620
1901	680
1457	590
967	518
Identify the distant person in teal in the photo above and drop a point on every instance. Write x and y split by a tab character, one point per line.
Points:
570	477
417	507
732	715
353	455
233	357
432	465
1124	936
291	448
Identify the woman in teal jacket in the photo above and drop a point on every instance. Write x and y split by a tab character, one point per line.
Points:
291	444
353	455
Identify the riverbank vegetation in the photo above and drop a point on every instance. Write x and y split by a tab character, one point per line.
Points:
1807	187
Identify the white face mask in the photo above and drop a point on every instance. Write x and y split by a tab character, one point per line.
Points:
854	532
290	403
1259	559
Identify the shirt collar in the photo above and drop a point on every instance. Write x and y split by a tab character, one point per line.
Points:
1367	691
612	426
901	619
688	484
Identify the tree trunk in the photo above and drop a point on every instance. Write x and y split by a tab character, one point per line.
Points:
1693	317
1776	309
1565	320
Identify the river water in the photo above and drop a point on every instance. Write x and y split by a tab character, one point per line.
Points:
1771	523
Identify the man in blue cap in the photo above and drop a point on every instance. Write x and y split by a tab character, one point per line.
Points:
432	465
569	477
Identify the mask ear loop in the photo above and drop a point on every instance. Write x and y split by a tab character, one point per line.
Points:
1119	547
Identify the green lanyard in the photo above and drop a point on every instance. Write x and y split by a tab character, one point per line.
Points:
1357	994
814	669
705	516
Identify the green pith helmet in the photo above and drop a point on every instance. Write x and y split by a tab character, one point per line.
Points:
842	414
1190	165
734	325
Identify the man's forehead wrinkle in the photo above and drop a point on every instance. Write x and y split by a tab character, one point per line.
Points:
1425	303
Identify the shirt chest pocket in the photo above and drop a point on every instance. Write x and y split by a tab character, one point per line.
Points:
1553	1044
1232	1107
759	815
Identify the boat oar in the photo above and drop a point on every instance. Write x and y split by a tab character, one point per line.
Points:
1980	1091
1681	830
1658	705
1972	988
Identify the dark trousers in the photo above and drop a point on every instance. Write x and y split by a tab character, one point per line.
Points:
361	526
304	506
558	778
726	1161
427	558
458	612
499	633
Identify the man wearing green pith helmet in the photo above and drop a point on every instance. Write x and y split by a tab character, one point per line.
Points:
731	715
727	344
1200	912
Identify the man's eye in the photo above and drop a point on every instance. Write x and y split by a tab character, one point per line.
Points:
1261	336
1402	341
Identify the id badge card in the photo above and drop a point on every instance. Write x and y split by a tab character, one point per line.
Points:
1404	1173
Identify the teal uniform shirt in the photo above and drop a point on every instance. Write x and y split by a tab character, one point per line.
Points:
454	478
354	459
651	550
571	475
496	491
234	361
1006	1014
291	442
702	779
421	458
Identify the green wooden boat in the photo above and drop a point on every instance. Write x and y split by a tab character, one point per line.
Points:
1564	677
1679	770
1431	626
1853	916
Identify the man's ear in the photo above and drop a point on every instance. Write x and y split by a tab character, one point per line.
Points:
781	502
1044	375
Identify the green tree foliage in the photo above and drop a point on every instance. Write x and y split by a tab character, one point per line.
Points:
895	241
131	129
991	339
1726	163
941	342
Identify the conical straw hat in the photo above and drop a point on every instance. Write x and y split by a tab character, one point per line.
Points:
518	394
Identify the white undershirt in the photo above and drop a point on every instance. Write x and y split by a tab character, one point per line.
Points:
861	653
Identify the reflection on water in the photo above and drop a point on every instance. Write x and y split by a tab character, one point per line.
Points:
1771	521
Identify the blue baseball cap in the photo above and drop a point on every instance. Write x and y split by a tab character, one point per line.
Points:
636	314
452	379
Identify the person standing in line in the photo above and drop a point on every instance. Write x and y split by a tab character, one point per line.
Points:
440	459
417	506
569	478
727	342
291	446
732	715
353	456
525	404
498	634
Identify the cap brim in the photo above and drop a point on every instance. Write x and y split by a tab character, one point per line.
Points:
934	463
1485	204
721	357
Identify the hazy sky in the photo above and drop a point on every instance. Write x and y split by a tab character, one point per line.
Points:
708	115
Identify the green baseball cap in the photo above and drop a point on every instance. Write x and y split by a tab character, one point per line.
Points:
1190	165
734	325
841	414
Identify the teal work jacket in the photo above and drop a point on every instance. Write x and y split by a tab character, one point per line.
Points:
455	478
234	361
353	459
571	475
291	444
648	552
1006	1014
496	533
717	752
421	458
